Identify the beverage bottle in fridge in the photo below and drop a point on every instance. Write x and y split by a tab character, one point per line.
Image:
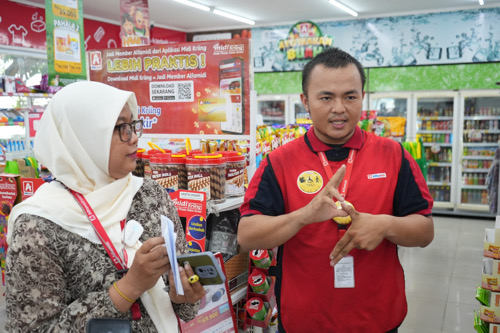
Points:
475	179
481	179
470	179
464	196
484	197
446	174
447	194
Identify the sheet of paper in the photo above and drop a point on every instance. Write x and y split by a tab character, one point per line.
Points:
167	231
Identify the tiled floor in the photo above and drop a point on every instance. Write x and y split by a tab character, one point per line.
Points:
440	279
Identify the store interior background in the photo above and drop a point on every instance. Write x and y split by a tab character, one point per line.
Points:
441	279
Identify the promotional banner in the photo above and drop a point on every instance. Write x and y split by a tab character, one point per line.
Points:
216	313
65	41
134	23
193	206
28	29
188	88
25	29
429	39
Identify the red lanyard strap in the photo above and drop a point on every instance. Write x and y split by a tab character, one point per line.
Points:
120	264
99	230
345	182
329	172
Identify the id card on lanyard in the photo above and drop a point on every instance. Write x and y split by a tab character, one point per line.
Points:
343	271
120	264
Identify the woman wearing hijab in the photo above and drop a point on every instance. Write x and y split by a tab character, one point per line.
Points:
72	254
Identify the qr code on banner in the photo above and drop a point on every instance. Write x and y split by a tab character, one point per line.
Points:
185	91
171	91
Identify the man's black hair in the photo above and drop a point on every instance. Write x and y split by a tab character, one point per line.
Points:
331	58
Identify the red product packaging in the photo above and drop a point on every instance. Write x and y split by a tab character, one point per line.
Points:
9	193
29	186
9	196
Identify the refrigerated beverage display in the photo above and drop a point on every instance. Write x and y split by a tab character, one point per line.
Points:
460	132
480	133
435	126
272	111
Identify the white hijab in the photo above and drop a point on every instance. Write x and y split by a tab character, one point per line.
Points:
73	141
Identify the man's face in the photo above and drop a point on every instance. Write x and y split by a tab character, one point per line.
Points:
335	101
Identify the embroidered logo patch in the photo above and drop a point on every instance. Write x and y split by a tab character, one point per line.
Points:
310	182
377	175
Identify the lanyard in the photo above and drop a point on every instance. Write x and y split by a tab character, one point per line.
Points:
329	172
120	264
345	182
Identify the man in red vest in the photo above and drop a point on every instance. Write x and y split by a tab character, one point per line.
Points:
334	277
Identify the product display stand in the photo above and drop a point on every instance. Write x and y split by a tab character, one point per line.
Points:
268	298
229	204
487	319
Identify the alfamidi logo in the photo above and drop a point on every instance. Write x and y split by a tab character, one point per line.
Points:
377	175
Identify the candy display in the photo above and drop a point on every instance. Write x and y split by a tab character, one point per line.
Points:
235	173
207	173
176	166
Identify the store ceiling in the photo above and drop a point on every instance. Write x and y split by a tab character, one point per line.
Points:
173	15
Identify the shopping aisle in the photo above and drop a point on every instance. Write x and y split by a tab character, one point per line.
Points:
440	279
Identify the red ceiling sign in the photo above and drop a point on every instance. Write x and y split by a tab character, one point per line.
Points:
24	26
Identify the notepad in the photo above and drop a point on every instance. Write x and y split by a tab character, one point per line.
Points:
167	231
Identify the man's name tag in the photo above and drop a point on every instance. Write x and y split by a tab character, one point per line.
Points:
344	272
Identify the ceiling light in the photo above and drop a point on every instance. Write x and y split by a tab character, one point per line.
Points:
343	7
234	17
481	2
194	4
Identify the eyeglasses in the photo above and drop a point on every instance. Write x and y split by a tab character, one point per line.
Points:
125	130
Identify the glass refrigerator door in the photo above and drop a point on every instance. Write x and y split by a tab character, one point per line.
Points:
271	109
298	113
480	135
392	108
435	123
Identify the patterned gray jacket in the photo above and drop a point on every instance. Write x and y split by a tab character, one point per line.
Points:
56	280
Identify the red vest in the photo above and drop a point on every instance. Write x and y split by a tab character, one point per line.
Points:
309	301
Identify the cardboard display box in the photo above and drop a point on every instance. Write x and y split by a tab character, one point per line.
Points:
491	274
491	248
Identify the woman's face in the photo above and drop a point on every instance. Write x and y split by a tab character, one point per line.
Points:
122	155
